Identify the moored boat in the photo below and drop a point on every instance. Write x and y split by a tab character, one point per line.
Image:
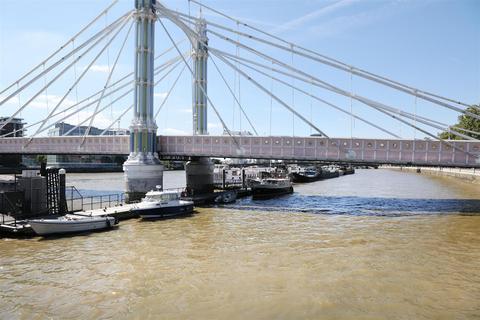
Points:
309	175
71	224
349	170
271	187
162	204
329	173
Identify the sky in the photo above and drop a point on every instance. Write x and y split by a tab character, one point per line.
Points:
432	45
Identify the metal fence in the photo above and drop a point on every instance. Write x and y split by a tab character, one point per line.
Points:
78	202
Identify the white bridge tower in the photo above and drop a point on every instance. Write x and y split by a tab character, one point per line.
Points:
199	170
143	171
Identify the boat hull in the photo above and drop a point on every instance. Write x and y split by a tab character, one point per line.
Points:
329	174
54	227
300	178
164	212
262	193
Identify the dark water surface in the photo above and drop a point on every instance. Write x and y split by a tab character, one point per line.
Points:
375	245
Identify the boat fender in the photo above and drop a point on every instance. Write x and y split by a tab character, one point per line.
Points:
109	224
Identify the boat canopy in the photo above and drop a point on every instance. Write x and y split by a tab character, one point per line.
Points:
162	196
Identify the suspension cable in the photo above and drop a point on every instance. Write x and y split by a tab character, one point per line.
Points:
310	81
321	100
60	74
234	97
262	88
382	107
201	87
428	133
415	120
86	119
69	108
169	92
117	119
351	105
131	90
108	57
321	83
72	39
440	103
81	109
325	59
107	82
357	71
293	103
271	109
239	85
83	74
75	74
46	92
157	70
102	33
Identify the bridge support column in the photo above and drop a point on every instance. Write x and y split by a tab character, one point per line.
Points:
199	170
199	173
143	171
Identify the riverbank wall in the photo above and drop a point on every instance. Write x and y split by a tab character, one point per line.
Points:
465	174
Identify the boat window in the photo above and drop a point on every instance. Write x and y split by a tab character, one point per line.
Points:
169	196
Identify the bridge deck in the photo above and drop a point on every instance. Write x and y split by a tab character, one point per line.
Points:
418	152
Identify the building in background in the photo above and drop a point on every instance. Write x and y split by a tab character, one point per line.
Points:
61	128
14	128
85	162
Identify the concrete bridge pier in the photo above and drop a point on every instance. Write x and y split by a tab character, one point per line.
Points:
143	171
199	170
199	174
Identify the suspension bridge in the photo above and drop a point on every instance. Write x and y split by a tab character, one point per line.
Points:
259	68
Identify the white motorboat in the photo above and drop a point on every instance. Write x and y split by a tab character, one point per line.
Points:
162	204
270	187
71	223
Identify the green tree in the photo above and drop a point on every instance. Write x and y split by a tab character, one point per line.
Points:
466	122
41	158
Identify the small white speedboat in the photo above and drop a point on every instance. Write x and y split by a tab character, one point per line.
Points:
71	224
162	204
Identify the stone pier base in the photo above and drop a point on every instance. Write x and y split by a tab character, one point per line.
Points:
141	174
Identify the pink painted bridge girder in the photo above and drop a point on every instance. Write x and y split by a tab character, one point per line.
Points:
417	152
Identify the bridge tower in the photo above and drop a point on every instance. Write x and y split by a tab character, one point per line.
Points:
199	170
143	171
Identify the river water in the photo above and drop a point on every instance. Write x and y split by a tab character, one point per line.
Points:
379	244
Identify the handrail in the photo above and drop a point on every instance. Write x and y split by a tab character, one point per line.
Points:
12	207
90	202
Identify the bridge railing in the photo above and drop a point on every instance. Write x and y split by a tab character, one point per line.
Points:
365	151
379	151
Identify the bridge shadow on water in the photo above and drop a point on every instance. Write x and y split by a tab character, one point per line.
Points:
370	206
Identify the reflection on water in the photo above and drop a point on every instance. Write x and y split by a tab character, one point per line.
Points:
378	246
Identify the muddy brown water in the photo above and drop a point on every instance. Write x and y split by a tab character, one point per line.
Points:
375	245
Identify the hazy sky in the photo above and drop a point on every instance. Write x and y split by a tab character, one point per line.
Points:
431	45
